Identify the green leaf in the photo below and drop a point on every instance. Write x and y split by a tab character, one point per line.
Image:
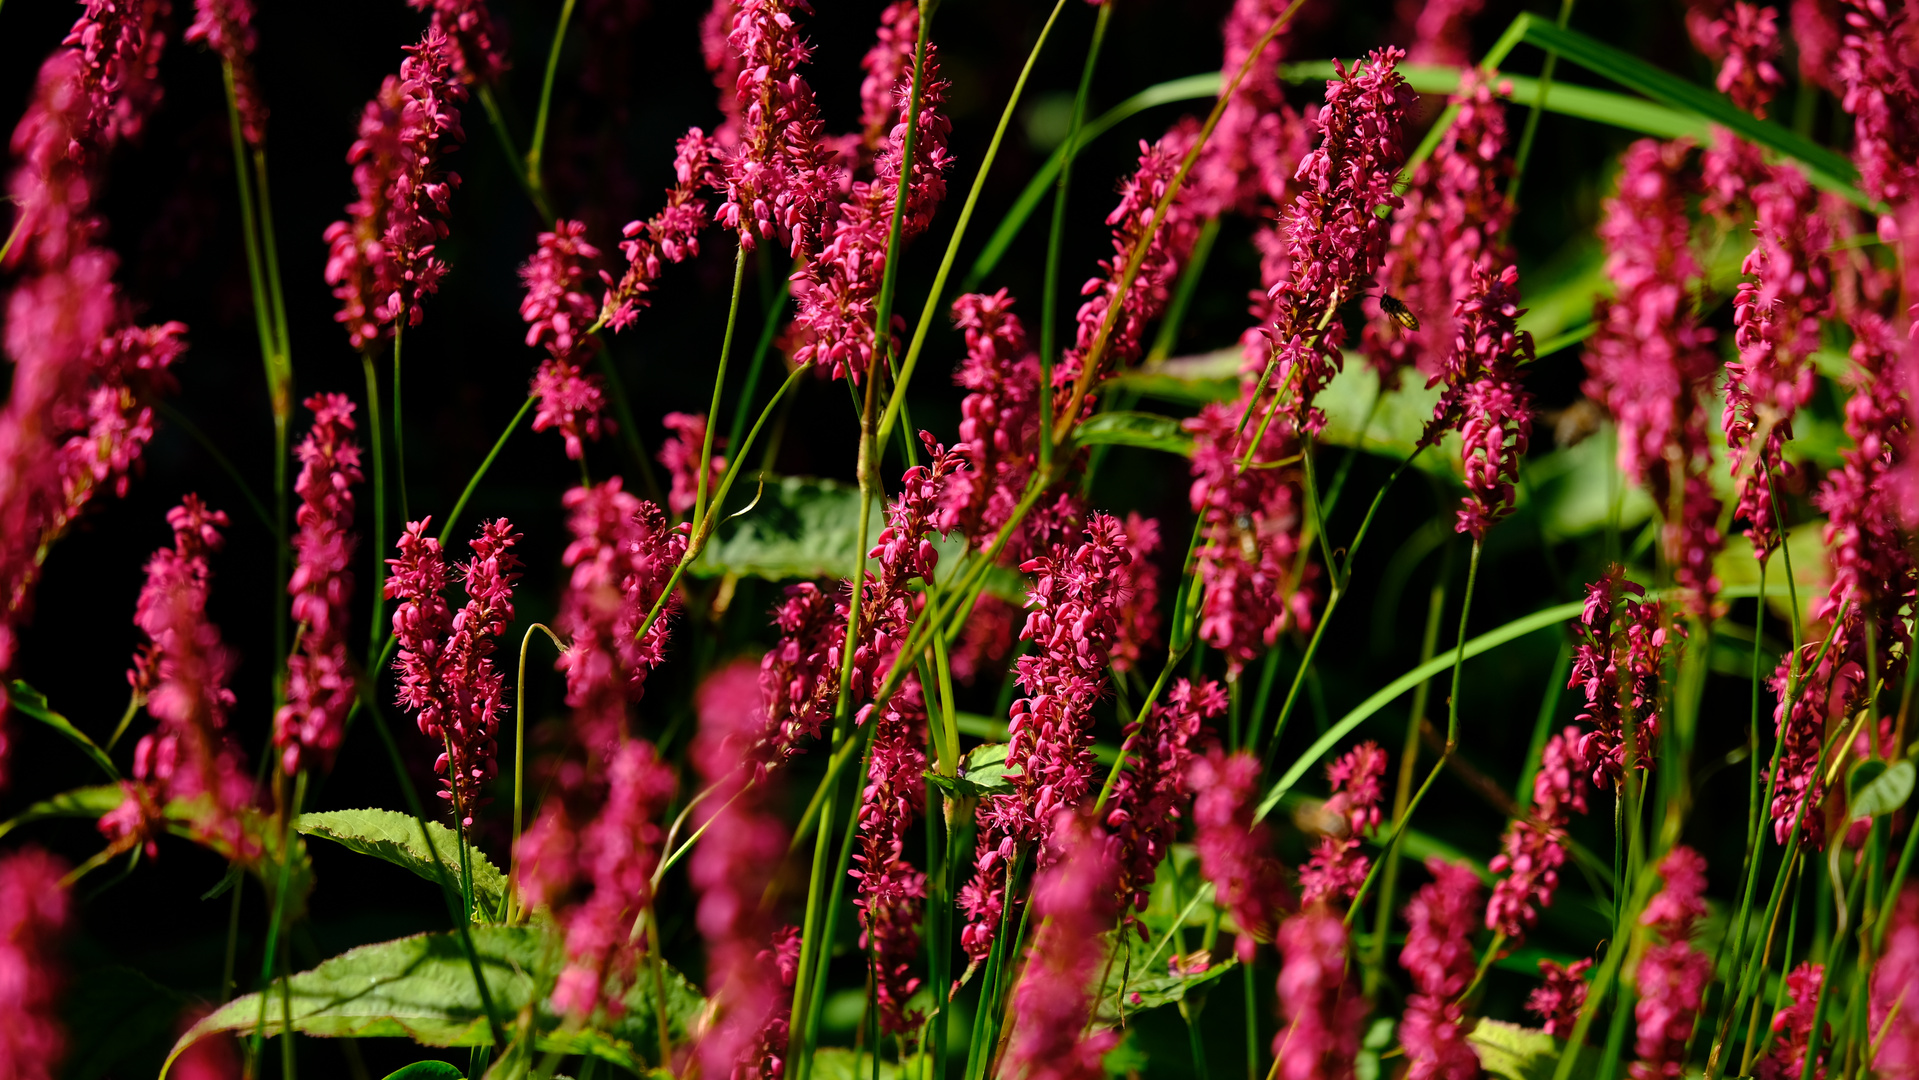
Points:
986	769
86	802
1137	980
841	1063
1513	1052
801	528
395	837
1875	788
30	702
421	988
427	1070
1147	430
1825	168
119	1022
1186	380
1584	102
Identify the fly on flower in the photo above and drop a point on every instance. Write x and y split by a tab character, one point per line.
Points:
1396	309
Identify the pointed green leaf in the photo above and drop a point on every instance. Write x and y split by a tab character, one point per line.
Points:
802	528
30	702
1513	1052
86	802
421	988
1146	430
840	1063
1876	788
427	1070
1565	99
395	837
1139	979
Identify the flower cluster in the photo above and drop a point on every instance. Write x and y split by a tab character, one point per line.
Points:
34	914
1893	978
1534	847
380	261
999	421
1234	850
747	1037
1438	956
1672	976
1451	228
445	663
558	314
672	235
226	27
320	681
1253	519
1744	40
1139	593
1324	1011
1792	1026
1559	996
1150	796
1776	318
892	894
1248	163
1072	624
182	673
886	63
1873	70
1650	360
1335	235
1618	663
1166	252
1074	898
1337	867
779	178
477	50
1483	398
837	291
680	455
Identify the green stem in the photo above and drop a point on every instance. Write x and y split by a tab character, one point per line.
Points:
769	328
399	436
1049	293
516	163
194	432
533	151
486	463
380	537
519	771
629	427
1533	113
719	382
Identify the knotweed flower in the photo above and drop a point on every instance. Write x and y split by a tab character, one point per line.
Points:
1558	999
1053	1004
182	673
445	663
1139	606
886	63
747	1037
381	261
1893	979
1873	71
1815	34
1743	40
1438	956
1449	231
999	425
1234	850
320	681
1440	31
1324	1011
800	674
1777	316
1249	161
1650	360
1672	976
779	178
34	915
1338	866
1617	663
988	635
837	290
1249	540
226	27
571	401
1072	623
1534	848
892	893
557	310
1335	236
672	235
1483	398
478	53
680	454
1792	1026
1150	796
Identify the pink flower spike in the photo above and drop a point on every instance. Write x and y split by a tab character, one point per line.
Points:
1235	852
778	178
1873	73
226	27
35	913
1052	1006
571	402
1893	979
1247	165
478	49
1323	1010
680	455
557	311
892	893
670	236
1792	1027
1534	848
1744	40
1672	976
1151	795
1558	999
1618	663
1338	866
320	680
1438	956
1484	400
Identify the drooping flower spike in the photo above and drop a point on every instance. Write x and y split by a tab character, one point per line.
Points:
1873	73
779	178
320	680
1338	865
1322	1009
1618	665
1438	956
670	236
1484	400
1235	852
381	261
1534	848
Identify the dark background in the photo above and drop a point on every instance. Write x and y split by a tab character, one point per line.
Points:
621	98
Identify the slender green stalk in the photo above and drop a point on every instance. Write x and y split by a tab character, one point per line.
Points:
629	427
516	163
380	535
719	380
194	432
274	947
769	329
1533	113
534	150
519	768
931	312
835	899
1452	726
1049	292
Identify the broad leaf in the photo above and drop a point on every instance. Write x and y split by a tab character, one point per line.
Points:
840	1063
86	802
1149	431
30	702
422	988
1875	788
427	1070
395	837
1513	1052
1141	978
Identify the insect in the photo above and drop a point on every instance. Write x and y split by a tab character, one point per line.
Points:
1399	312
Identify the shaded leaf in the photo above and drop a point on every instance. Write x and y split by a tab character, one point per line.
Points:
1141	978
119	1023
421	988
802	528
30	702
1149	431
86	802
1875	788
1513	1052
395	837
427	1070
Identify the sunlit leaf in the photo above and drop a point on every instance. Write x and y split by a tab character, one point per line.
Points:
427	1070
395	837
1149	431
1876	788
1137	980
1513	1052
